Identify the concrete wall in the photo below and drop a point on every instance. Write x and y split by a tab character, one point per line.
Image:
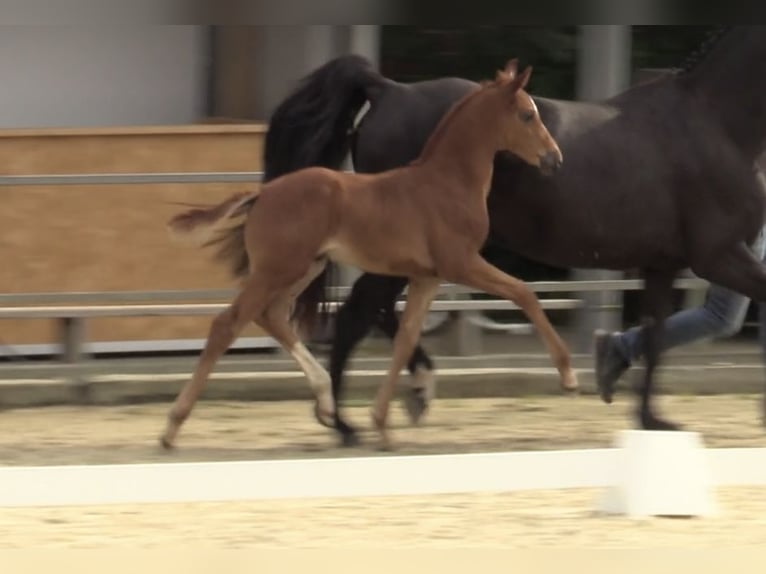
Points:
96	75
256	66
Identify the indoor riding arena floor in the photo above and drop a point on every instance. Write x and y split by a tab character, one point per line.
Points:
239	431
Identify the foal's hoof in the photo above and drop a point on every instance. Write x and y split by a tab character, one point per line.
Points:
385	444
323	417
415	404
384	439
166	444
569	383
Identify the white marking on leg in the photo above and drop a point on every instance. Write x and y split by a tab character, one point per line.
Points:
319	378
425	378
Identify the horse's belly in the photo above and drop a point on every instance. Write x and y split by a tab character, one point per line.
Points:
382	262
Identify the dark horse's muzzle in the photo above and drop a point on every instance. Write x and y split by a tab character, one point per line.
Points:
550	162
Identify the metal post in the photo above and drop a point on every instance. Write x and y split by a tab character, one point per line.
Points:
365	41
603	69
72	337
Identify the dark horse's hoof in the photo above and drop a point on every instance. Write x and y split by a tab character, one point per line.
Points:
651	422
415	404
324	419
349	439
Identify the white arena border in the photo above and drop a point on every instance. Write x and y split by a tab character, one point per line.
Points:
341	477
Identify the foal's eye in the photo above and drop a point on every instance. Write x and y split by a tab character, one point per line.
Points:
526	115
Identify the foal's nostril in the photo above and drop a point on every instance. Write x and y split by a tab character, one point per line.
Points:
550	161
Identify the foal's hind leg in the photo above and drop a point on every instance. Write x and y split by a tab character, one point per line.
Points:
276	321
479	274
224	329
419	296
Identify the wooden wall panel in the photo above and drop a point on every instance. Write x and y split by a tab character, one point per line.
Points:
101	238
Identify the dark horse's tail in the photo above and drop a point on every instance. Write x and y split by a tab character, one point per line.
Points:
312	127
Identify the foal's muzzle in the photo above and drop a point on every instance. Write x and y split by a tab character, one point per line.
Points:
550	162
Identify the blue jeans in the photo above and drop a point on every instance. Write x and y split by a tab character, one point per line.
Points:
721	315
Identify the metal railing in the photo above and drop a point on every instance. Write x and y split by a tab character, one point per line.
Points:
71	309
133	178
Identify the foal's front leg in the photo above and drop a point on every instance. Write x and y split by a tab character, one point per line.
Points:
475	272
419	296
420	366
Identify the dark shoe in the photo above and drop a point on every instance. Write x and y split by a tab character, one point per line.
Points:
610	364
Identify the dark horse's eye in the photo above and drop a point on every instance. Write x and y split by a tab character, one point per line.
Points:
526	115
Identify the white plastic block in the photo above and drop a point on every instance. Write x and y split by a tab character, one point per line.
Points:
660	473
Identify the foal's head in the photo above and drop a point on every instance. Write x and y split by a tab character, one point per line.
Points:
524	133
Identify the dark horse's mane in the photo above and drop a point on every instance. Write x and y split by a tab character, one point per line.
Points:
698	54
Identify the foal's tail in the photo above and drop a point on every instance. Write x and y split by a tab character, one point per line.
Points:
312	127
222	224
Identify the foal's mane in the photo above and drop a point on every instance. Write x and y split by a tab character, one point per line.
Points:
440	128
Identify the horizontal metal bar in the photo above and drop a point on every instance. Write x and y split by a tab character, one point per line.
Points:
115	296
595	285
131	346
496	305
133	178
111	310
211	308
334	292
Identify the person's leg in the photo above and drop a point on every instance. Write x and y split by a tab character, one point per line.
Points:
721	315
762	306
762	340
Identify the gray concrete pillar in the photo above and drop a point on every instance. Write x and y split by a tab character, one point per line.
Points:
286	53
603	70
365	41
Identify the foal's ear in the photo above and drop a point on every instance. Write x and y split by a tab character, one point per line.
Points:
520	81
511	68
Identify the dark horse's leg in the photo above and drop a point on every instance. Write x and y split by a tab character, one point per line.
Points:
370	303
658	294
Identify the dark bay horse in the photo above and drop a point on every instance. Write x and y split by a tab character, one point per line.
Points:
659	178
425	221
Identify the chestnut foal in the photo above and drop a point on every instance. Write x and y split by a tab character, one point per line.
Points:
426	221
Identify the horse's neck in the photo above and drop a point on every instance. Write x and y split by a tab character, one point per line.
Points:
728	80
465	151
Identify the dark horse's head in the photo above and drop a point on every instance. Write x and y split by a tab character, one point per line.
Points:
524	133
